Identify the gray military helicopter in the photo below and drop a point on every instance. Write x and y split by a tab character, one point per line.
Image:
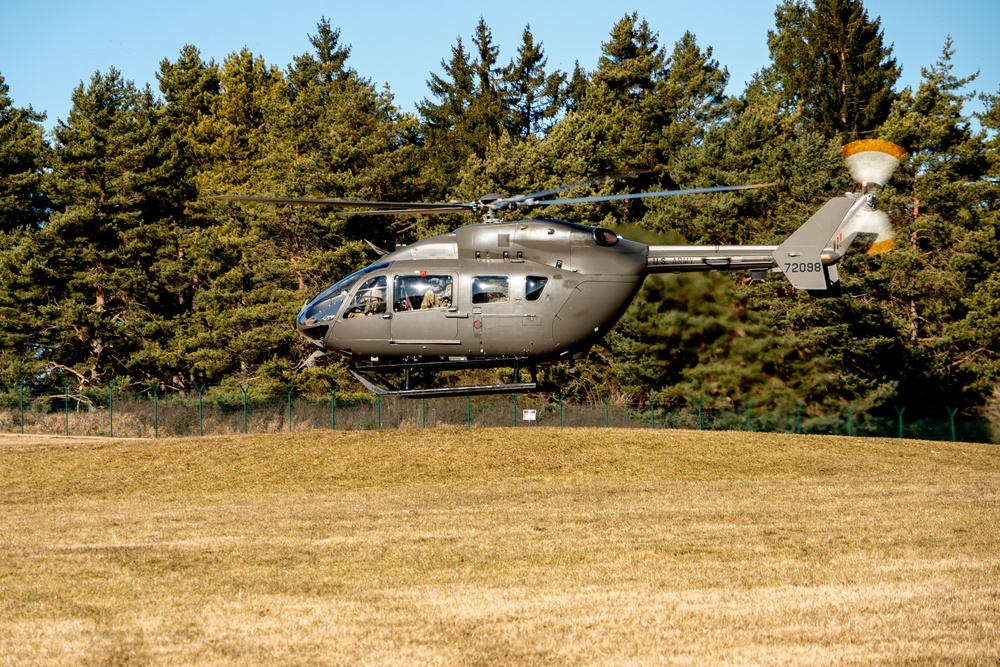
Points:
523	293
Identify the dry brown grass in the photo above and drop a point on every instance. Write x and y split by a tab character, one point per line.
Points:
523	546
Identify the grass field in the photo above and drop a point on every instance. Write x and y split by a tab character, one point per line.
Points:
499	546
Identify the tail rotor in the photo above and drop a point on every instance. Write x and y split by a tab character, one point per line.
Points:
871	163
809	256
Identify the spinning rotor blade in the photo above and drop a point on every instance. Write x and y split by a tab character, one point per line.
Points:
872	163
376	206
610	176
868	220
876	222
645	195
872	160
488	205
424	210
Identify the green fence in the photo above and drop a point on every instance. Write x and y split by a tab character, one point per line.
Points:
221	411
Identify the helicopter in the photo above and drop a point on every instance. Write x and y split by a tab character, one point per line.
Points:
520	294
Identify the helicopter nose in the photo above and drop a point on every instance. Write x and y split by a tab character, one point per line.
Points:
317	316
313	331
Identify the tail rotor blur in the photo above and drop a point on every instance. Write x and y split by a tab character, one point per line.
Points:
871	163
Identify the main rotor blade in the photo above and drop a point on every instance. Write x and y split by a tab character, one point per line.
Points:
645	195
604	178
377	206
428	210
488	205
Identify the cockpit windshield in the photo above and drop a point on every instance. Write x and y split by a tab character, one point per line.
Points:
326	306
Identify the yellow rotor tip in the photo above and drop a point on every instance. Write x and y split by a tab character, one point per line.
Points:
880	247
877	145
872	160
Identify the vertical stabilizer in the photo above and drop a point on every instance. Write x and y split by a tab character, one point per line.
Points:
804	256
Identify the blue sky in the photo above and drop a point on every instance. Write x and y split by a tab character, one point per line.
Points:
49	46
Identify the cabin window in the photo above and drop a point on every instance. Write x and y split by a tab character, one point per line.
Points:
369	299
490	289
421	292
533	287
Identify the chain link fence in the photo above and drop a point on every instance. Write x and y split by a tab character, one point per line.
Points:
225	411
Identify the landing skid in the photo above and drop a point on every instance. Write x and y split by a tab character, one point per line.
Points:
407	390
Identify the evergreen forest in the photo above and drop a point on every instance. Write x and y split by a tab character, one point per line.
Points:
114	268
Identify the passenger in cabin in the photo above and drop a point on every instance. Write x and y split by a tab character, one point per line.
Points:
438	296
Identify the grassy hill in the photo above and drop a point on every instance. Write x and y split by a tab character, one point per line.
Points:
524	546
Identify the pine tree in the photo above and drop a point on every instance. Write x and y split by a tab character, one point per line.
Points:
630	65
640	109
90	274
323	131
836	73
445	147
488	114
694	92
237	135
613	120
536	99
24	156
240	319
576	88
668	100
335	137
948	235
325	65
190	87
469	112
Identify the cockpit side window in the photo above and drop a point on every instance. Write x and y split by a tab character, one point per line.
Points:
370	299
533	287
490	289
421	292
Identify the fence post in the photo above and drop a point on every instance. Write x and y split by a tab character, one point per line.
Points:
201	409
156	411
606	402
468	410
378	409
66	386
111	409
652	412
900	411
245	390
951	415
333	409
423	413
798	419
513	398
289	391
749	407
850	421
20	398
561	397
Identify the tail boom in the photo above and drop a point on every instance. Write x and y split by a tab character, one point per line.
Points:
685	259
808	257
